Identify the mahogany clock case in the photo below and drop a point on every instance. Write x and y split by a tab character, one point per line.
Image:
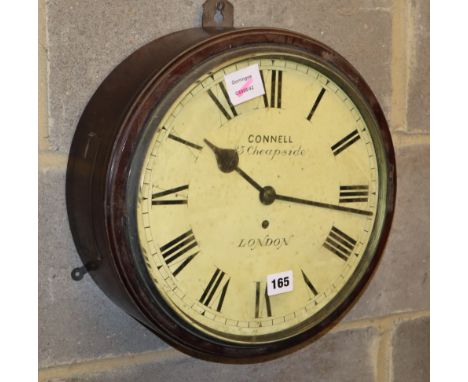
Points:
107	152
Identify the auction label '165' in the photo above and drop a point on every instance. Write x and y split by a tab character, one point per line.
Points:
278	283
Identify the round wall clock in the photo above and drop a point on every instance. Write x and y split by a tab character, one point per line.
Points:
232	189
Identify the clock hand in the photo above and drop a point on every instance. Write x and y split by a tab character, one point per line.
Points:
249	179
228	161
322	205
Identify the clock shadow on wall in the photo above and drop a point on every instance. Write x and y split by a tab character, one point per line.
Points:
232	189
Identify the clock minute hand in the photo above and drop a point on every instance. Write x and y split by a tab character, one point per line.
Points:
228	161
322	205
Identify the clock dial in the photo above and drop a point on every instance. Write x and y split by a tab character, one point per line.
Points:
230	195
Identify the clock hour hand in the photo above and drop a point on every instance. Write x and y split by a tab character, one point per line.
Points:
228	161
322	205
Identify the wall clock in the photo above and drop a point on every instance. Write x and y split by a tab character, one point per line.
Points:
232	189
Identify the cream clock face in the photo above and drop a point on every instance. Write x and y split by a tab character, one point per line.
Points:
256	220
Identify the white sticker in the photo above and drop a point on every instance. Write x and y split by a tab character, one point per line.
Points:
279	283
244	84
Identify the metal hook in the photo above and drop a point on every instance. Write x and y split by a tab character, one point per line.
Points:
220	6
217	15
78	273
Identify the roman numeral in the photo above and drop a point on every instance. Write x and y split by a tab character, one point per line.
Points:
309	284
265	97
339	243
184	142
184	264
344	143
157	195
182	246
258	299
316	103
352	194
219	104
214	285
276	89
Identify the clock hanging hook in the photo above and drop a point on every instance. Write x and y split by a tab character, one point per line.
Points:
218	16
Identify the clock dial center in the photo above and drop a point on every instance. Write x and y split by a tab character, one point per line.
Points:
267	195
